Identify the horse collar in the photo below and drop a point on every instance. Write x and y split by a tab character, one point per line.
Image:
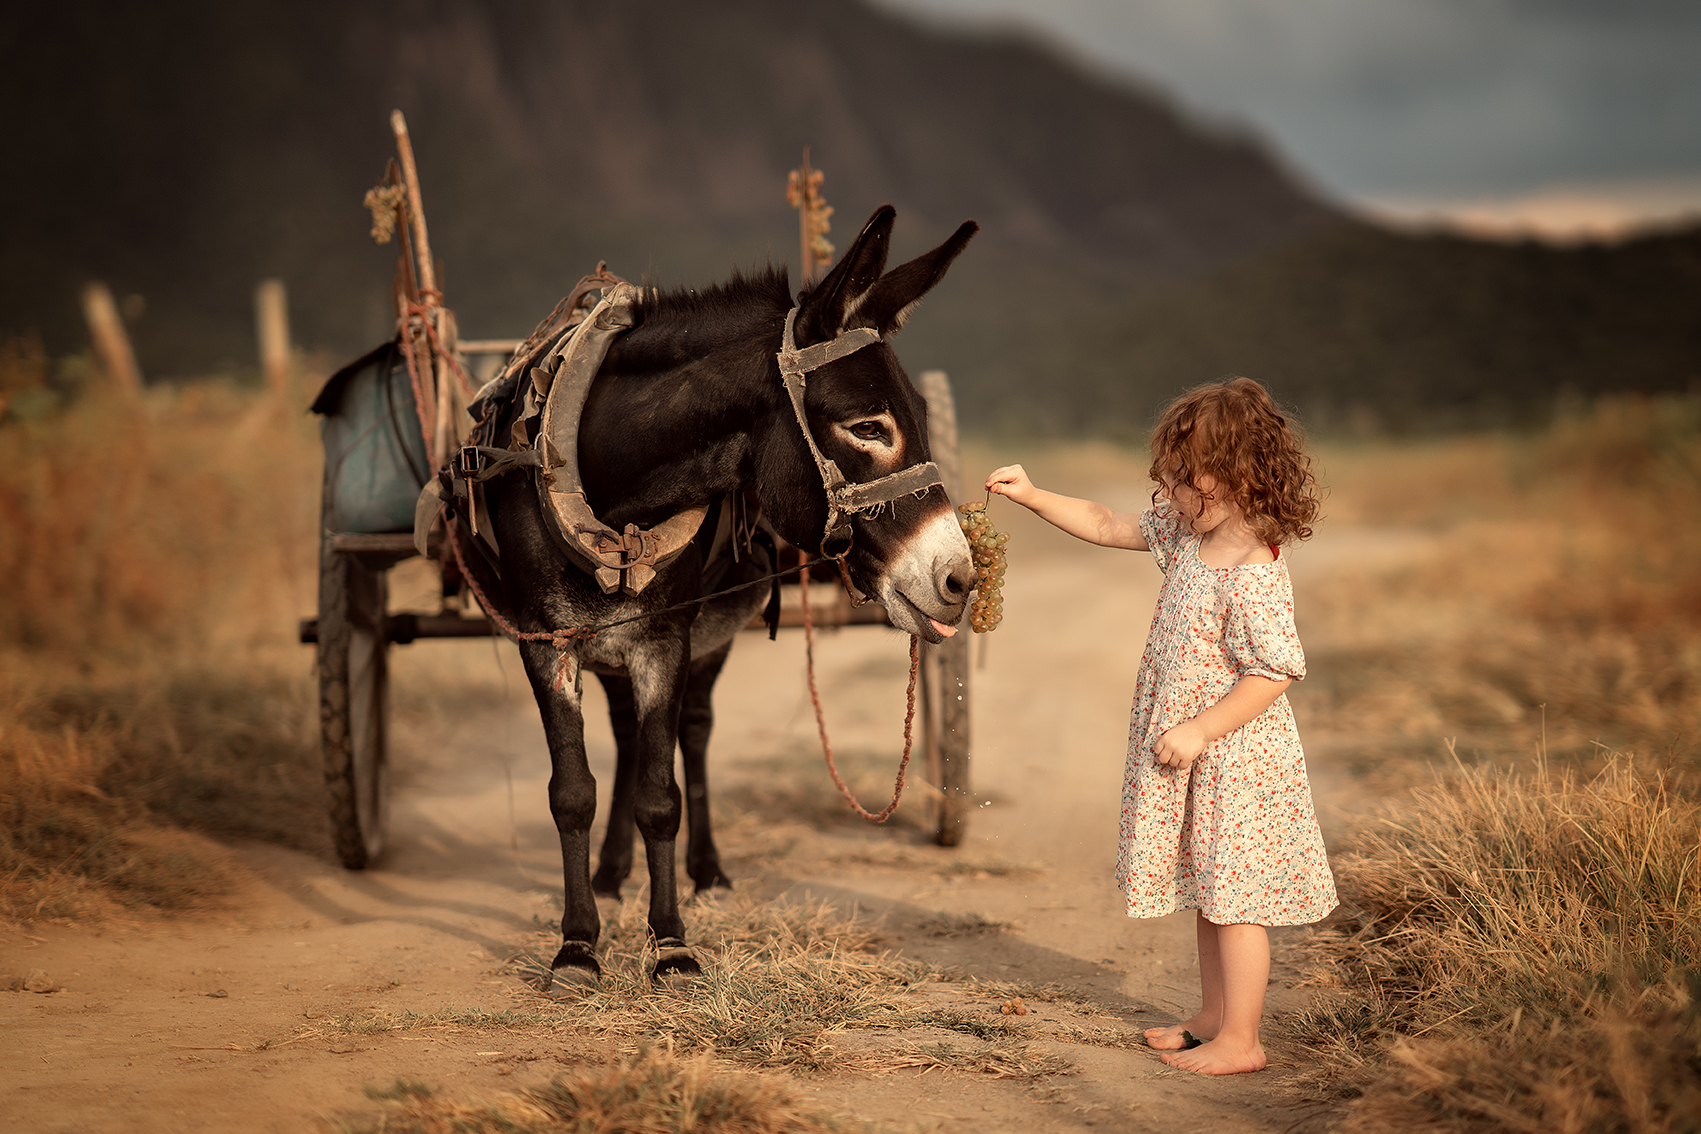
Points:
844	498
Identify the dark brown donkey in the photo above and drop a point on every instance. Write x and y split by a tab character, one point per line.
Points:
690	408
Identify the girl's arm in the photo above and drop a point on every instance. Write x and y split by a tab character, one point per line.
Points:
1251	695
1082	519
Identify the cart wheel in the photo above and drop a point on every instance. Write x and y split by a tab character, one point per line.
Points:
945	667
353	703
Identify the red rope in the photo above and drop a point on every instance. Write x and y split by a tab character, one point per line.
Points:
421	310
419	402
416	321
563	640
821	718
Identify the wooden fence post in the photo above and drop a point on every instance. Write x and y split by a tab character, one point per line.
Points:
110	341
271	323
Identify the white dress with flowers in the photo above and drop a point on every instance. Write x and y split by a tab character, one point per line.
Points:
1235	836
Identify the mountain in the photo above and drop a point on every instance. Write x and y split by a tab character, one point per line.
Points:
183	152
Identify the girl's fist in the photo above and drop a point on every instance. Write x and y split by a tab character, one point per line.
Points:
1011	481
1181	745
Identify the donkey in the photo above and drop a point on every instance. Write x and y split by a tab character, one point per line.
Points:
690	406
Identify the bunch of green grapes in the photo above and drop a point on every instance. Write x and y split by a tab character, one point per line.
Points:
987	544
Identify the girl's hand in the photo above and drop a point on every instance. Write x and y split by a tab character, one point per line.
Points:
1011	481
1181	745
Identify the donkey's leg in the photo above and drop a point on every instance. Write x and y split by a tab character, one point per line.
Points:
614	862
658	685
573	803
696	722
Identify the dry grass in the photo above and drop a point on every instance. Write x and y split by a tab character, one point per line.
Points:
1524	951
1001	1059
156	556
1551	579
782	983
1521	934
652	1092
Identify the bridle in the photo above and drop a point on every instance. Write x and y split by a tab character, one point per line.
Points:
844	498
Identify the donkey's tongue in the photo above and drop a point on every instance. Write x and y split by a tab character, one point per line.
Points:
944	630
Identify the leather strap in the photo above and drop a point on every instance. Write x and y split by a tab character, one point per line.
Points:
844	498
618	560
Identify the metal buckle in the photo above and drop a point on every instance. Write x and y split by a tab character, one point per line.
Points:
469	462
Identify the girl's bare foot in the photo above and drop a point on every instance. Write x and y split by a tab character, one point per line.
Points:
1219	1057
1174	1037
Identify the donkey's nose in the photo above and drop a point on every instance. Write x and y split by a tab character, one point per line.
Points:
954	580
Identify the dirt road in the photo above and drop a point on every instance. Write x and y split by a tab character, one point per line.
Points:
209	1023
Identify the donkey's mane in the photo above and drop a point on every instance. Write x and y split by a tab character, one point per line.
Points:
677	323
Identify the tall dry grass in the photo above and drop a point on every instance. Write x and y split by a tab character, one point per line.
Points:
1520	945
1551	586
1524	955
155	555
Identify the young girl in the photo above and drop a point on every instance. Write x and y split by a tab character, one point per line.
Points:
1216	810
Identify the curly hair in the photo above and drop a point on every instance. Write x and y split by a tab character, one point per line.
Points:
1232	432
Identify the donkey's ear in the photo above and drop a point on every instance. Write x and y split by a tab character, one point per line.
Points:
889	302
827	305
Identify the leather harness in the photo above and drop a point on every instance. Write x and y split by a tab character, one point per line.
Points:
559	385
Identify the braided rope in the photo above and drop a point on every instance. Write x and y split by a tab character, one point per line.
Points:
563	640
419	312
419	402
821	718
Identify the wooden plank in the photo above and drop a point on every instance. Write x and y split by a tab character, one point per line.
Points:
408	627
385	543
947	664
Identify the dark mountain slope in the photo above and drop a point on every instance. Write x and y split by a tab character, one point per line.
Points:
182	152
1361	327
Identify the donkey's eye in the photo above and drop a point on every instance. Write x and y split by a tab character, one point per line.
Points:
868	431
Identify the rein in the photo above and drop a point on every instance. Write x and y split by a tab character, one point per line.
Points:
821	719
845	499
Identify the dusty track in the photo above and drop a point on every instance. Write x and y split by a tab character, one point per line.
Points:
215	1023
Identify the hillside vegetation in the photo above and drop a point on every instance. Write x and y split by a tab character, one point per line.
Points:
1126	252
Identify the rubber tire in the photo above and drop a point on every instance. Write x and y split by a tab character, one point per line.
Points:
354	704
945	667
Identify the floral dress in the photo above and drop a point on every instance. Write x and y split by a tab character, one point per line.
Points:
1235	835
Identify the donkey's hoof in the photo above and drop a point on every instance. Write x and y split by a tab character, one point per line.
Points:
676	967
573	971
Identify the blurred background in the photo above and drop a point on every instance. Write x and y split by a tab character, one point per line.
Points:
1401	215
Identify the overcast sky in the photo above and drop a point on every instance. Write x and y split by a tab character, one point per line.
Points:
1422	105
